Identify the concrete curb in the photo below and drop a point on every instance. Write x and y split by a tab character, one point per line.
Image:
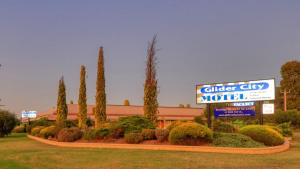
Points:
207	149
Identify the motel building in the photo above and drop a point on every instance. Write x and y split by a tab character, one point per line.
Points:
165	114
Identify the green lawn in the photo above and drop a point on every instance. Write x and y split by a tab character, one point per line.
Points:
17	151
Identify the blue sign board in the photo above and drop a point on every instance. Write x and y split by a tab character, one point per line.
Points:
244	111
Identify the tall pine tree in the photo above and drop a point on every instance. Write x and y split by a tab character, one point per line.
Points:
150	86
100	109
62	108
82	115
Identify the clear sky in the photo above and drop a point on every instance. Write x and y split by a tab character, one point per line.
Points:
199	41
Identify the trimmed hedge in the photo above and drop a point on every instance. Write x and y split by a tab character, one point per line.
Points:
36	130
235	140
190	134
148	134
50	131
133	138
162	134
224	127
263	134
69	134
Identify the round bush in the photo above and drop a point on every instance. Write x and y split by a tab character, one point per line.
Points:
263	134
235	140
69	134
19	129
133	138
224	127
190	134
50	131
36	130
148	134
162	134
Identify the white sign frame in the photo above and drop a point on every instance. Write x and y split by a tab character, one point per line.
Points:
29	114
242	91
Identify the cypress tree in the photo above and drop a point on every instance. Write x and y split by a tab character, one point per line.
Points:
62	108
100	109
82	114
150	86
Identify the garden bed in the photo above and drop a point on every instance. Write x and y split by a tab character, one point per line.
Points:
211	149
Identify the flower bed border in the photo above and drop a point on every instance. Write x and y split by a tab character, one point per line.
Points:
207	149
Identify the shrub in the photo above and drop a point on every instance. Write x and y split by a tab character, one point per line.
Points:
175	124
238	123
133	138
89	122
19	129
36	130
285	129
198	119
89	134
292	116
28	129
93	134
162	134
116	131
7	122
148	134
234	140
275	128
101	133
190	134
41	122
69	134
224	127
51	131
71	123
269	118
263	134
134	124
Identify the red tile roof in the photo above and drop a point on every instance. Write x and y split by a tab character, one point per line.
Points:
115	111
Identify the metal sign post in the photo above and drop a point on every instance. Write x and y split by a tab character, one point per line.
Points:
208	115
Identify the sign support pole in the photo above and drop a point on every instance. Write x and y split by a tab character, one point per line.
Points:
261	121
208	116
